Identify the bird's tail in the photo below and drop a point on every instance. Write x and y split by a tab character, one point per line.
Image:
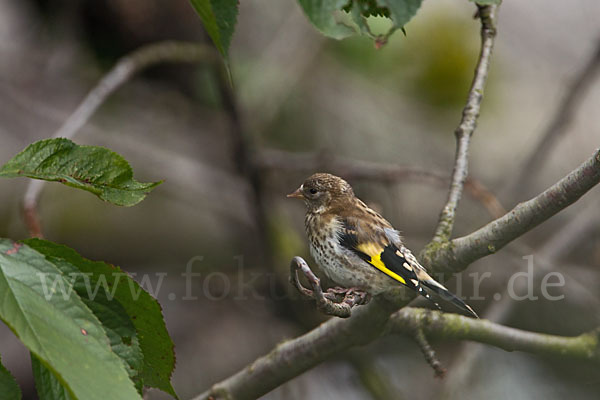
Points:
424	293
445	294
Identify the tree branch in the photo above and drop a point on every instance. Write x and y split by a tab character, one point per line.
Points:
487	240
465	129
295	356
446	326
126	67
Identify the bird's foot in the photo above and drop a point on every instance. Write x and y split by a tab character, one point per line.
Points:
335	301
351	296
357	297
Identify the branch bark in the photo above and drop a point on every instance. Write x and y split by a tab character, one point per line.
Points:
437	325
295	356
465	129
291	358
459	253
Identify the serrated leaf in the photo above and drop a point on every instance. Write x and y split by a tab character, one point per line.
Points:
9	388
100	300
402	11
118	328
46	384
116	323
142	309
219	18
329	17
92	168
486	2
339	19
39	306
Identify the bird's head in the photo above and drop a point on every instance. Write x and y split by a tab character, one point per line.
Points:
321	192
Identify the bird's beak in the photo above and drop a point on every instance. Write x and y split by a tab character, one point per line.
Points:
296	194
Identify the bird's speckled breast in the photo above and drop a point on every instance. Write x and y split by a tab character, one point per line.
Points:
339	264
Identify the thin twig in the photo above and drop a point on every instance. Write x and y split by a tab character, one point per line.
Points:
561	120
429	353
126	67
487	15
485	196
278	160
368	323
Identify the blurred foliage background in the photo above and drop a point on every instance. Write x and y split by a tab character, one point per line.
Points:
299	92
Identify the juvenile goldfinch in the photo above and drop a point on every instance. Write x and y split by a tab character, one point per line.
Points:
356	247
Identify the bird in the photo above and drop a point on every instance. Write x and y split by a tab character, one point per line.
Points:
359	249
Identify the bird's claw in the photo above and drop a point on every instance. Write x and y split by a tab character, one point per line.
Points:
351	296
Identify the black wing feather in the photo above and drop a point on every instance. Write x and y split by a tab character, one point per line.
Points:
390	256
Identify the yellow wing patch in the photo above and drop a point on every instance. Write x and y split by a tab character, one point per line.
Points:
374	251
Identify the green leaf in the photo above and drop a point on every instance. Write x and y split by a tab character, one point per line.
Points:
95	169
339	19
46	384
219	18
9	388
142	309
486	2
329	17
116	323
100	300
402	11
39	306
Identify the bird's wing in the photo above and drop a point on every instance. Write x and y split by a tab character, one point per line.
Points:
378	244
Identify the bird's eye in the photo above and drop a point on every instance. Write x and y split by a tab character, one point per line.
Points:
313	191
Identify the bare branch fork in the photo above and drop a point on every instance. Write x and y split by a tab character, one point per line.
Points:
380	317
525	216
487	15
370	322
293	357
